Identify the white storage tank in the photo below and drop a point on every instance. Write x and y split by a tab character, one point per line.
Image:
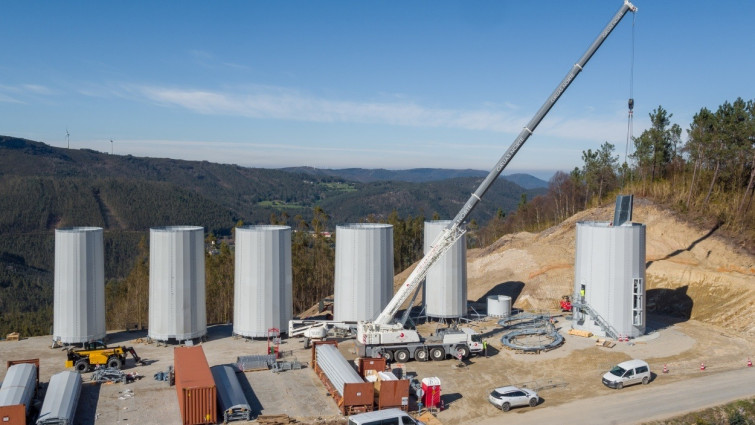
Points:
445	291
79	299
499	306
364	271
609	277
263	286
176	283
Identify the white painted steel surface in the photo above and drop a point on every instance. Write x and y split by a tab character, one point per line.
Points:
61	399
263	297
79	299
335	367
364	271
176	283
18	385
499	306
231	396
608	260
445	291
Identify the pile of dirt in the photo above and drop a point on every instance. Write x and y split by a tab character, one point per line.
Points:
692	273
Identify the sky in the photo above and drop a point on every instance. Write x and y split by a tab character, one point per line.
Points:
371	84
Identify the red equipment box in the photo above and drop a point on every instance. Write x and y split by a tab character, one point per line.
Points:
431	388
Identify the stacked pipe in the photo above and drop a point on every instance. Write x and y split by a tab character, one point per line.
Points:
335	367
232	400
17	392
61	399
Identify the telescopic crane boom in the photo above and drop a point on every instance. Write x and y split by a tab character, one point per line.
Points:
455	230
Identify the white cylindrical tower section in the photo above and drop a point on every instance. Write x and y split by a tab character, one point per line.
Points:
364	271
176	283
609	277
499	306
79	303
263	287
445	292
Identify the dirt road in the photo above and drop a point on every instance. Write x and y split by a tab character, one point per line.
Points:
640	404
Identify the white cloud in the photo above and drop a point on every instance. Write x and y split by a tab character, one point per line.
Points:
37	89
17	94
290	105
8	99
285	104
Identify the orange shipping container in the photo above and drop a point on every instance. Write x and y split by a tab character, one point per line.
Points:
197	394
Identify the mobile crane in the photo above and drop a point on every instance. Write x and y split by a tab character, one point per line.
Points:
383	336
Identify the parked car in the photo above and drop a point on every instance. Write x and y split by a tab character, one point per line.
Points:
505	398
393	416
627	373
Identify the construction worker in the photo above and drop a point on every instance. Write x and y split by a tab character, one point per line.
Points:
485	347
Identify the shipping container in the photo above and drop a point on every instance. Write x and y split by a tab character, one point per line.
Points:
365	364
391	391
348	389
195	386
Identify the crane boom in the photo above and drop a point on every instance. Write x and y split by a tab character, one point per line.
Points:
455	230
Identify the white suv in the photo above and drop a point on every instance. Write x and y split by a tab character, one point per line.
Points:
627	373
505	398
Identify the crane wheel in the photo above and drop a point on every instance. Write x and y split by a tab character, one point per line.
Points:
401	356
387	355
114	363
437	353
421	355
463	350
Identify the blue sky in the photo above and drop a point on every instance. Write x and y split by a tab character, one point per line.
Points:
381	84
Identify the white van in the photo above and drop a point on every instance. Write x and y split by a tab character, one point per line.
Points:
627	373
392	416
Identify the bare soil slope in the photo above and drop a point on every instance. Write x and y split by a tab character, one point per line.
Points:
691	272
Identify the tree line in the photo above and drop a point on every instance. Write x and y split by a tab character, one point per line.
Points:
709	178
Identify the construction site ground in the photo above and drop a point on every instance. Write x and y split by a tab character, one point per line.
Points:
700	290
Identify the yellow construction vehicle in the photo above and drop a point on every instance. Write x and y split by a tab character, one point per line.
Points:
97	353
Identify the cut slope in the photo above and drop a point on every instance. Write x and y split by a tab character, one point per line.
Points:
691	272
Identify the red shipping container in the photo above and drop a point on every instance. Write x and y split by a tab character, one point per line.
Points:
431	389
195	386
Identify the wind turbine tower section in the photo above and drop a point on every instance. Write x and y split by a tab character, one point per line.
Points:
79	299
263	291
445	292
609	279
364	271
176	283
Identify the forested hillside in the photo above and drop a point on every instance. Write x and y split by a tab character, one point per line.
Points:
707	180
415	175
43	188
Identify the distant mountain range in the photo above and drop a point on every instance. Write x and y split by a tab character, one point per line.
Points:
414	175
44	187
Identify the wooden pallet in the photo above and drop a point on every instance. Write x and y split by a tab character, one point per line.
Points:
578	332
604	343
429	419
282	419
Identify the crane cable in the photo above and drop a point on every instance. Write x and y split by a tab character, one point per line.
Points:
630	103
